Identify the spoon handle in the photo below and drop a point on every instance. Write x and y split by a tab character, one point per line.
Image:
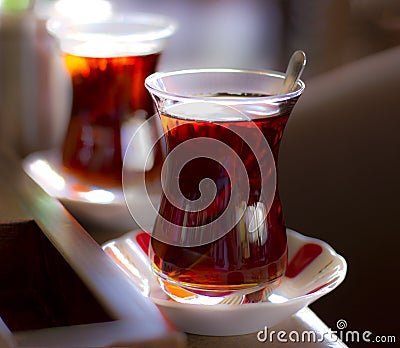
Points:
294	70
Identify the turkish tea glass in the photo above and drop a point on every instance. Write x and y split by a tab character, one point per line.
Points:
220	229
108	60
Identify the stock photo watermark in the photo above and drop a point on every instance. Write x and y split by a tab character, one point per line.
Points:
310	336
218	153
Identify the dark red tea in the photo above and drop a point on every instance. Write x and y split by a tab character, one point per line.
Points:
236	260
109	103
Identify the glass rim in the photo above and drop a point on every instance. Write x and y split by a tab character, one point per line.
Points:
62	28
152	87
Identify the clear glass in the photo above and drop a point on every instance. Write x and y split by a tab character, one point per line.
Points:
219	233
108	60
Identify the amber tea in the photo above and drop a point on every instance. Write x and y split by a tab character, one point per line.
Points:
109	104
235	261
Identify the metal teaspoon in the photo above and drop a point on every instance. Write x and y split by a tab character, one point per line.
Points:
294	70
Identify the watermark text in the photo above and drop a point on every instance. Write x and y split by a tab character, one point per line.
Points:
311	336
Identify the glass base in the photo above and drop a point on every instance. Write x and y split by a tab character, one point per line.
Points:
236	296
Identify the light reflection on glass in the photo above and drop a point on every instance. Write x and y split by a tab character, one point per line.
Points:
77	10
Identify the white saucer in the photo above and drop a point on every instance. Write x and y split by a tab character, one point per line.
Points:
99	207
314	269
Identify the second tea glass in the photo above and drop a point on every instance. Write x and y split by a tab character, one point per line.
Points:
107	61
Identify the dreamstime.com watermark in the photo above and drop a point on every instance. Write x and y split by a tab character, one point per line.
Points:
310	336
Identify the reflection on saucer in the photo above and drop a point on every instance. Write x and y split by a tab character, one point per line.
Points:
97	196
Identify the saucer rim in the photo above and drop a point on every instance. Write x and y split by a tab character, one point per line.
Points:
52	157
308	297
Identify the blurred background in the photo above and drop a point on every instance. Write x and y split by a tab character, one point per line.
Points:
253	34
262	34
339	165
